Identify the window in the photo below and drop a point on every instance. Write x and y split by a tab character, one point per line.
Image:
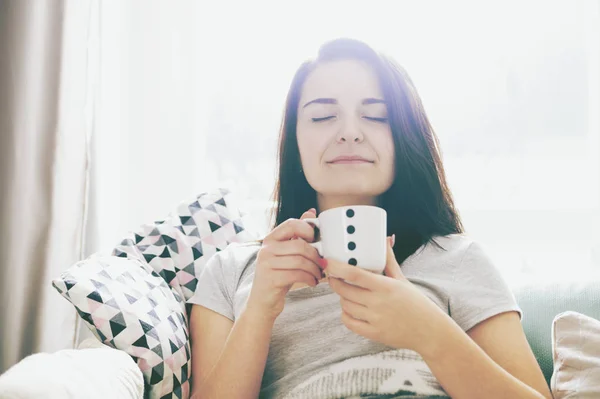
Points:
192	96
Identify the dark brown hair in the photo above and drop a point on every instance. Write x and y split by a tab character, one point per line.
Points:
419	204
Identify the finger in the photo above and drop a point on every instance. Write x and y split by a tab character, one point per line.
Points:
355	310
289	229
351	274
298	262
348	291
359	327
285	278
311	213
392	268
296	247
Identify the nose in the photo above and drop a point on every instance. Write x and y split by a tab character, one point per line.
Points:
350	132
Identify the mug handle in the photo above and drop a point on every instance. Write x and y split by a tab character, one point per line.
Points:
317	245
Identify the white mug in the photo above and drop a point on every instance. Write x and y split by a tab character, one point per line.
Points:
353	234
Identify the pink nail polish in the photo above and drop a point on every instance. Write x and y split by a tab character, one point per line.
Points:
323	263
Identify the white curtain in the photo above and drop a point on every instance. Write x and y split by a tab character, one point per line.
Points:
45	124
192	96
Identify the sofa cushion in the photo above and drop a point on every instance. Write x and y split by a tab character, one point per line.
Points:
576	352
178	246
120	300
96	372
541	301
128	306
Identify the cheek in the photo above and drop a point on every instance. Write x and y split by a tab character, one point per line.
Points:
310	144
385	149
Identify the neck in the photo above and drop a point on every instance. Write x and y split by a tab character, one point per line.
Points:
335	201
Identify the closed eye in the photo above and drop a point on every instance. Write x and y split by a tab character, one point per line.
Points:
374	119
325	118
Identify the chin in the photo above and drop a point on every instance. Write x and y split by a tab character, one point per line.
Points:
350	184
352	189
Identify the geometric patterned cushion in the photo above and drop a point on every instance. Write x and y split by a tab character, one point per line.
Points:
129	307
178	247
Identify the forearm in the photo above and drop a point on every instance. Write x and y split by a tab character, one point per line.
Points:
465	371
239	370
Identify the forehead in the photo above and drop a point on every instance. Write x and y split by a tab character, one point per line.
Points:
341	79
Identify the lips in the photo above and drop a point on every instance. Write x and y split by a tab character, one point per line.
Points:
349	159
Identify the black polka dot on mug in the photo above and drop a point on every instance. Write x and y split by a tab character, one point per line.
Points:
352	262
350	229
350	213
351	245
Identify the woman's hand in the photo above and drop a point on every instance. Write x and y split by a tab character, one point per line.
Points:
385	308
282	261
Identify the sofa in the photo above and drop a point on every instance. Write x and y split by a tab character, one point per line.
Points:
161	259
542	302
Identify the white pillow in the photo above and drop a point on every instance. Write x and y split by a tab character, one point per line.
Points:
95	372
576	355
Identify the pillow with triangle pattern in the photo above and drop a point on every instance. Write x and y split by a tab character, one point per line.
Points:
178	247
175	250
128	306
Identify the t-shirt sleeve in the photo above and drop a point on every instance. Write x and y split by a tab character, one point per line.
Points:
478	290
215	287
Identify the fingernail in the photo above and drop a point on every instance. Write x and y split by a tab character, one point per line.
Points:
313	210
393	239
323	263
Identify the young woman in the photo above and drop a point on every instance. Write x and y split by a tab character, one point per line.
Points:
439	322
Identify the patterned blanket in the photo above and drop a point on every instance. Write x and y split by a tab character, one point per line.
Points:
392	374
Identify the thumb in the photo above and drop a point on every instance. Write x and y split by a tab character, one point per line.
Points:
392	268
311	213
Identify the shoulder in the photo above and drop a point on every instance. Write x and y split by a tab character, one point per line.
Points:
476	287
237	251
465	251
444	250
469	259
236	257
452	254
456	244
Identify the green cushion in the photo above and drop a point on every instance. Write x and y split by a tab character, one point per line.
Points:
543	301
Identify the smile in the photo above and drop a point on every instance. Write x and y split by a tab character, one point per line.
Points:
350	162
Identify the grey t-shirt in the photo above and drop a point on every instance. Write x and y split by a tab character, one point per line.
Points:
312	354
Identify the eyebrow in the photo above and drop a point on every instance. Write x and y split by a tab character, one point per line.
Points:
321	101
366	101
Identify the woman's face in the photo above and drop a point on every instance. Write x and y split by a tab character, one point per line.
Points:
344	137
